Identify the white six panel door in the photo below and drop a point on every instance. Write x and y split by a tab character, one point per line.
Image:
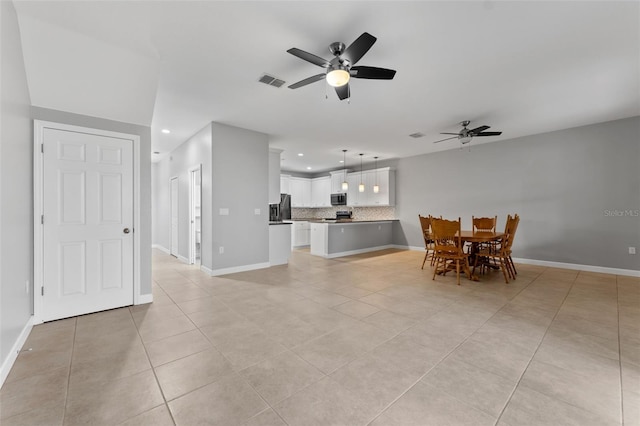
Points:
88	223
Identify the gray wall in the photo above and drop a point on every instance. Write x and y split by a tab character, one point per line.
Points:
241	184
196	150
145	174
16	183
161	203
560	183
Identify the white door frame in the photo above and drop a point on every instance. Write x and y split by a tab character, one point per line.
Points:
38	205
192	229
176	254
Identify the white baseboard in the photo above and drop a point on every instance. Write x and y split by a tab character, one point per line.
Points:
161	248
183	259
15	350
577	267
144	299
234	269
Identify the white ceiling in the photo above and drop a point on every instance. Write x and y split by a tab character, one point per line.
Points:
520	67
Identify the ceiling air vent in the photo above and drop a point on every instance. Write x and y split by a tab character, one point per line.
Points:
416	135
271	80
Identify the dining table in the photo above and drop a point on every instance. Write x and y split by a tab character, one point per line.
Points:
476	238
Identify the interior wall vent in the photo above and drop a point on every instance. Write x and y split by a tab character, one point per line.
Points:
271	80
416	135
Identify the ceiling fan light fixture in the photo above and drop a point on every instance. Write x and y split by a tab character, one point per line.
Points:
338	77
465	139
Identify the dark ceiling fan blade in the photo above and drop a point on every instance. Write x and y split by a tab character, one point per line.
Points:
373	73
308	80
442	140
479	129
488	134
309	57
358	48
449	133
343	92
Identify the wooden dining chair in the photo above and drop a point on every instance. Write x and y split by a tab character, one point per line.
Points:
501	254
448	247
514	227
425	224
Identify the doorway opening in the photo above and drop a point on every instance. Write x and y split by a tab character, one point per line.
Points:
195	213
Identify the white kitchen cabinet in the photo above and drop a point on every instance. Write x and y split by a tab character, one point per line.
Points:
300	192
321	192
336	182
368	198
300	234
386	181
284	184
354	198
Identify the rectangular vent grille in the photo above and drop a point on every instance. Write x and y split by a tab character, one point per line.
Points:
416	135
271	81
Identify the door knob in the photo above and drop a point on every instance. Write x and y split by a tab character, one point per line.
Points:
125	230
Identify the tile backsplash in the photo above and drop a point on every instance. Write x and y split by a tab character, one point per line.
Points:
359	213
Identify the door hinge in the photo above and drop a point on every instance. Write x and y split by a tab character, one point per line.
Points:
42	291
42	219
42	148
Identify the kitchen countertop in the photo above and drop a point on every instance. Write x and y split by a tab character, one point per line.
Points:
351	220
281	222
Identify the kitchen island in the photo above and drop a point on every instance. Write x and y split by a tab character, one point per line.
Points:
338	238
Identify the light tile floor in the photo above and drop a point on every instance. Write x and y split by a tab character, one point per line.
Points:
368	339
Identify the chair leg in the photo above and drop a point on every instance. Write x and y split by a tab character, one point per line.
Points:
435	269
425	258
458	270
513	265
504	270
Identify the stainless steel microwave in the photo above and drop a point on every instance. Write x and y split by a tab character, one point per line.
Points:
338	199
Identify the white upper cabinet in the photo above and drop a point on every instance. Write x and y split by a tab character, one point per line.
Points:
336	182
300	192
321	192
386	181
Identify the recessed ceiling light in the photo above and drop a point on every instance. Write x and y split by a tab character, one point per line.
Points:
166	131
342	161
156	152
308	168
300	155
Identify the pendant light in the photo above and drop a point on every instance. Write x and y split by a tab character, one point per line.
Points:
376	188
345	185
361	186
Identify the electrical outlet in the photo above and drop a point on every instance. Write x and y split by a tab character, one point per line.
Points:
632	250
342	230
256	212
26	287
221	250
224	212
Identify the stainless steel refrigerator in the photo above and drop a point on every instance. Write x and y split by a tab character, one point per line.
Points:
285	207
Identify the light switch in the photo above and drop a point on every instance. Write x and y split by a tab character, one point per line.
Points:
224	212
256	212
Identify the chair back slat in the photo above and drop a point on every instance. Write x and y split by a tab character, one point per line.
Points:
484	224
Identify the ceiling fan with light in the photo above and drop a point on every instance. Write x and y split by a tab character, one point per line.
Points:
465	135
341	68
